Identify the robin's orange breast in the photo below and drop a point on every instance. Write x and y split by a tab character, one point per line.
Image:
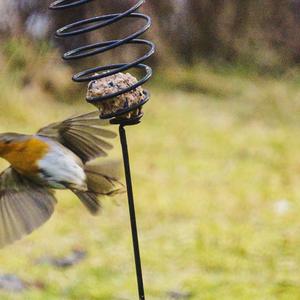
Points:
24	155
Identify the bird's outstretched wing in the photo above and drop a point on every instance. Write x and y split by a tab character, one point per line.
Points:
84	135
24	206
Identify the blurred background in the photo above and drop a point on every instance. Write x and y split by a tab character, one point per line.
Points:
215	161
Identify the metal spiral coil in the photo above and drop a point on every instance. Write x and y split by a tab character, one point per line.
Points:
98	22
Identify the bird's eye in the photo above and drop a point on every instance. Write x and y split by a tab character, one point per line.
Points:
6	142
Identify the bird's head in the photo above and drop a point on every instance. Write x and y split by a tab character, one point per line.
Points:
8	141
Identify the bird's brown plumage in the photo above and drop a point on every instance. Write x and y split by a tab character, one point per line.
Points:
24	206
84	135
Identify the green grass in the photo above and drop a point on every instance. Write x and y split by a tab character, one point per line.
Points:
210	161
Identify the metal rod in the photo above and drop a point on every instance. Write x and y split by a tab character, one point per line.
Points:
134	231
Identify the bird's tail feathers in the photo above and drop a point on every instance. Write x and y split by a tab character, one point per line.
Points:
102	180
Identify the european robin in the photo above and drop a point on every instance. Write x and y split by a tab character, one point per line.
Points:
56	157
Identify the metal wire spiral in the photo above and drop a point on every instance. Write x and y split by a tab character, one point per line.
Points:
99	72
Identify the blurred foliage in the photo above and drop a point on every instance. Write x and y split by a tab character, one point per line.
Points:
254	33
35	69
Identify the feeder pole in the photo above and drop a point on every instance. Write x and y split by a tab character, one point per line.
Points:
134	231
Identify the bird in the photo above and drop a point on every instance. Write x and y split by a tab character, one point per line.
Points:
59	156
